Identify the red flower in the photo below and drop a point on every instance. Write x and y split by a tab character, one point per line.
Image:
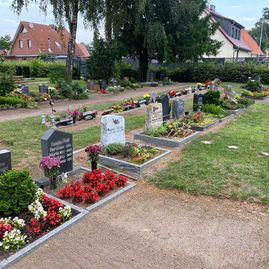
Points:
34	227
50	203
121	181
52	218
4	227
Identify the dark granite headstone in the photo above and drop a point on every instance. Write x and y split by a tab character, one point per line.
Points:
164	100
25	90
198	100
59	144
5	161
43	88
103	84
177	108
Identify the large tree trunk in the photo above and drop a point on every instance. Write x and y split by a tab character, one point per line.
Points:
72	41
143	64
108	22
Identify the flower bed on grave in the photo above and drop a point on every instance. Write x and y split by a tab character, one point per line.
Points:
131	157
27	213
88	187
255	90
173	133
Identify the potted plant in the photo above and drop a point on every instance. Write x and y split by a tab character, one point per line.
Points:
51	167
93	152
74	114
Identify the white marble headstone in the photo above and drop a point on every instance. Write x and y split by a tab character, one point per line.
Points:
112	130
154	116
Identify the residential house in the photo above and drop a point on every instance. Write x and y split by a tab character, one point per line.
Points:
33	39
236	41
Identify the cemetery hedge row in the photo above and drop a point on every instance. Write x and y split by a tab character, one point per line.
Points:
33	68
228	72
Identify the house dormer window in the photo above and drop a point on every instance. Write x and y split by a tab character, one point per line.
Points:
29	43
20	44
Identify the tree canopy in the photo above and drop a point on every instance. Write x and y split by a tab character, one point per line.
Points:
5	42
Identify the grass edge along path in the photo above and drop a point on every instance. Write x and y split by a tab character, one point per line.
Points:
216	170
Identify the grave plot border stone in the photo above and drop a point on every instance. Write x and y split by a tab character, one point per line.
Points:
206	127
135	169
257	97
165	142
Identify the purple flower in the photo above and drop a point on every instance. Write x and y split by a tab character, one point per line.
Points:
49	162
93	151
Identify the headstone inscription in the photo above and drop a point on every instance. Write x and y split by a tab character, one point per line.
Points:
43	88
112	130
59	144
154	117
177	108
198	100
5	161
166	107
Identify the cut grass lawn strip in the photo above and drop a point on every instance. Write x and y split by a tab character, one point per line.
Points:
219	171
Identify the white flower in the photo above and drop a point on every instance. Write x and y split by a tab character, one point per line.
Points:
37	209
65	213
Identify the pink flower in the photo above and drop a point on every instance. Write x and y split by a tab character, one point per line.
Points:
49	162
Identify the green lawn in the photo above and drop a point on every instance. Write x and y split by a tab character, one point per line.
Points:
22	137
219	171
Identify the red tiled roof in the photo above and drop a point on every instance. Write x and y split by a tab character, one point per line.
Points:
251	42
44	39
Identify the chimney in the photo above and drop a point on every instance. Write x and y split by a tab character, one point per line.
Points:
212	8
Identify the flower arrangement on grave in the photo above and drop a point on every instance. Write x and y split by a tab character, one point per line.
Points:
146	97
74	114
93	152
172	93
51	166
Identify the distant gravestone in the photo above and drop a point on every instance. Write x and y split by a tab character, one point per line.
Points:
154	117
150	76
177	108
59	144
5	161
153	97
165	101
90	85
228	90
198	100
43	88
25	90
112	130
103	84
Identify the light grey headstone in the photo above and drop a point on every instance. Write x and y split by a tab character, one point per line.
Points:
228	90
154	116
177	108
112	130
153	97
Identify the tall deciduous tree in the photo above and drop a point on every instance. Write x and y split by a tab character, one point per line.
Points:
5	42
261	30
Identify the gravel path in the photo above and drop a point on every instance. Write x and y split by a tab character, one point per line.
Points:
93	100
152	228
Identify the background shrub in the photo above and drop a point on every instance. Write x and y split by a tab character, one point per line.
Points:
7	84
212	97
113	149
12	101
17	191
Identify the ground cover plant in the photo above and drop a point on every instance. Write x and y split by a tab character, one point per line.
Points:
219	171
131	152
255	89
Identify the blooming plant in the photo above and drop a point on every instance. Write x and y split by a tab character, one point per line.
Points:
73	113
51	166
12	240
172	93
93	185
93	152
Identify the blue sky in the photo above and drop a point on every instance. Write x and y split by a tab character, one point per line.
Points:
246	12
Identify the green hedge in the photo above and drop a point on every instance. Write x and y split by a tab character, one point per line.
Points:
32	68
229	72
12	101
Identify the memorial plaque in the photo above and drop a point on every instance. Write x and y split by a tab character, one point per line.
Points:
112	130
5	161
177	108
198	100
154	117
153	97
166	107
59	144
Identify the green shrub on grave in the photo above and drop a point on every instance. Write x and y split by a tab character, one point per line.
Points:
17	191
